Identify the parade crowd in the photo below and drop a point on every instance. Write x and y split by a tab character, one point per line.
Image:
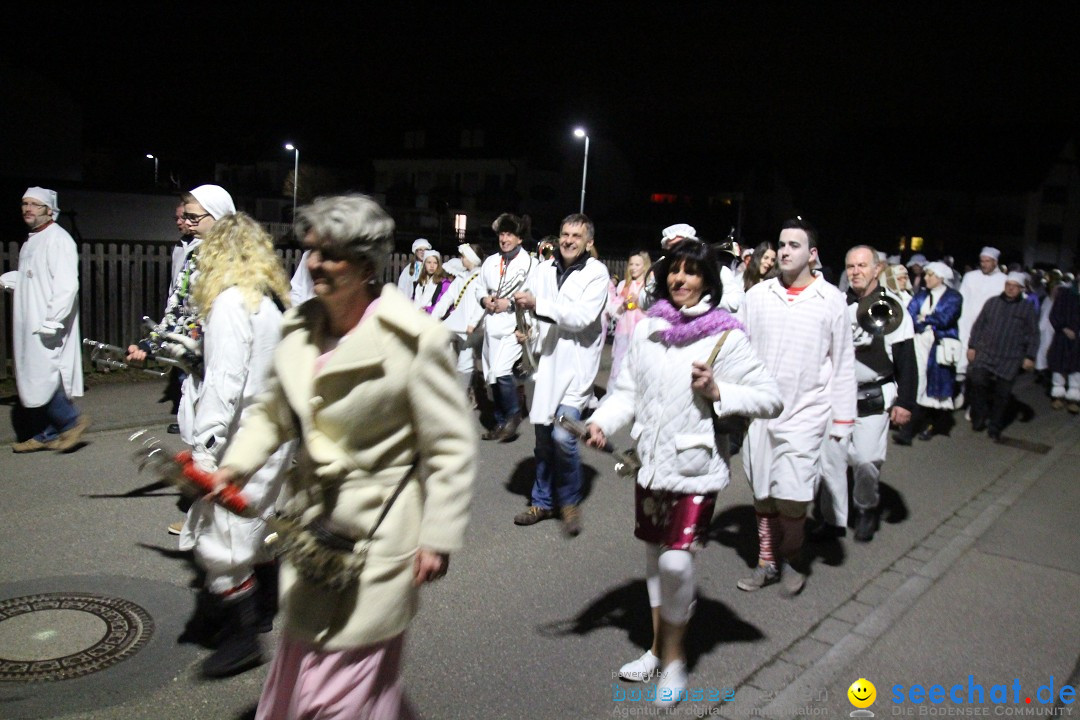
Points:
343	410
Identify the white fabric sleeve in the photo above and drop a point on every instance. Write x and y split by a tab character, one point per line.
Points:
62	259
577	313
746	387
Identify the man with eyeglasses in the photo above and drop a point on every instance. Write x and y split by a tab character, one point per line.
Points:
202	207
48	356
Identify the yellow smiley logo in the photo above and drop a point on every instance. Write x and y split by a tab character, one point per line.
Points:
862	693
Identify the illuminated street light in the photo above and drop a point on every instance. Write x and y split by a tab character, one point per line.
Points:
295	175
580	133
155	159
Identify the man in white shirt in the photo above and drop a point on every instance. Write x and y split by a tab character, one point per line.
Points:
48	356
798	326
977	287
411	272
567	294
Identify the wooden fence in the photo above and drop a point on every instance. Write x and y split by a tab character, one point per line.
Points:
119	283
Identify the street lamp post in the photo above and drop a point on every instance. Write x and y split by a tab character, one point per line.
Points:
155	159
295	175
580	133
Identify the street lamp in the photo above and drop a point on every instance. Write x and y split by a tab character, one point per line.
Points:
155	159
295	175
580	133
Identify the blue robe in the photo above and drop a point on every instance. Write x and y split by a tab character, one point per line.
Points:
940	380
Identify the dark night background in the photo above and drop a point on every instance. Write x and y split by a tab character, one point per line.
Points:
684	97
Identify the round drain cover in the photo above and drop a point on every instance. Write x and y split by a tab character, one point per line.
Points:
58	636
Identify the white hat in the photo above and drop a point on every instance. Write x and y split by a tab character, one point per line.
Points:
420	243
940	269
679	230
893	259
990	252
215	200
466	251
1019	278
48	197
432	253
917	259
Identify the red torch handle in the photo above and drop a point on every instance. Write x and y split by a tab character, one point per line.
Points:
229	498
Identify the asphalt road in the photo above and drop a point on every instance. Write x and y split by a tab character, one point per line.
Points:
531	624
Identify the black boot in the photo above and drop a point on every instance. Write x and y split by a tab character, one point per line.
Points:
866	525
266	595
239	649
206	623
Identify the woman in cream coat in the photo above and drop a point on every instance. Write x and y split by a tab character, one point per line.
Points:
670	394
367	383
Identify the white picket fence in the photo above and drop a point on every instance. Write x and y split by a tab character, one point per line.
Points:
119	283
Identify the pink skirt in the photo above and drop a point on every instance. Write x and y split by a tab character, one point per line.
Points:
306	683
674	520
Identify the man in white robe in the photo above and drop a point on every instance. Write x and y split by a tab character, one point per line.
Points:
501	275
977	287
798	326
410	274
48	356
567	294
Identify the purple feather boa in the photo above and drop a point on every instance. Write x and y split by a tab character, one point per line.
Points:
686	329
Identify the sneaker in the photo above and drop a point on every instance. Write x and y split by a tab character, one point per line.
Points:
1073	407
571	518
671	687
641	669
173	428
32	445
533	515
71	437
792	580
763	575
1057	404
176	528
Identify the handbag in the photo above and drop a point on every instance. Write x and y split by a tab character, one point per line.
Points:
948	351
325	557
729	424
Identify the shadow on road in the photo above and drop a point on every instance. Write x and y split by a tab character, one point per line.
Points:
627	607
521	480
736	528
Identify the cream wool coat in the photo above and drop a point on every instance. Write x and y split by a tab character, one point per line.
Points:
673	430
806	345
387	395
45	327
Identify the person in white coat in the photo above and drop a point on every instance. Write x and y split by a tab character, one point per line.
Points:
460	305
45	328
411	272
672	236
977	287
670	393
798	325
240	297
502	275
301	286
567	295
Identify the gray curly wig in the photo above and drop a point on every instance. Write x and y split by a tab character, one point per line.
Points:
355	224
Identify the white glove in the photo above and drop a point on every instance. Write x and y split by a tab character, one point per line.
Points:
180	345
860	337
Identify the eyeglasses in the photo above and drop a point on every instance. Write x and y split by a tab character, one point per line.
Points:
193	218
36	206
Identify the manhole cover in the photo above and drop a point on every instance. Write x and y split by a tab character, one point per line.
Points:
58	636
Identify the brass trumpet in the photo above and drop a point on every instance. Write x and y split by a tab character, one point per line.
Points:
879	313
528	357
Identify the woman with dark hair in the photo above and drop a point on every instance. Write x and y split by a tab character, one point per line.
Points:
689	363
762	265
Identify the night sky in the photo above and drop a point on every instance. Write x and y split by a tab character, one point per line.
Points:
660	80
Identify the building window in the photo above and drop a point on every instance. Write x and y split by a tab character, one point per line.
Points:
459	225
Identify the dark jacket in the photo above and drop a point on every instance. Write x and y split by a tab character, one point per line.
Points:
1005	333
1064	354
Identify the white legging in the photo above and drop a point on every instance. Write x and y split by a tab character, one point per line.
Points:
669	578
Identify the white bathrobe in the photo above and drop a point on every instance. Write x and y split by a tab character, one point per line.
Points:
45	330
501	348
977	287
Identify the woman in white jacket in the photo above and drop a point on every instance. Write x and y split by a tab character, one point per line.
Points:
671	395
241	294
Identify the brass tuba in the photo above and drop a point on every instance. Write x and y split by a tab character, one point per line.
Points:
879	313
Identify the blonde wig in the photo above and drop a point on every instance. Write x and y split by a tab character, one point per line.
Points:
237	252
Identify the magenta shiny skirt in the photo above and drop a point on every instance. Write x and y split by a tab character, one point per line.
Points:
674	520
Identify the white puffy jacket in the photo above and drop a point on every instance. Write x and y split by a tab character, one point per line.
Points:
672	428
